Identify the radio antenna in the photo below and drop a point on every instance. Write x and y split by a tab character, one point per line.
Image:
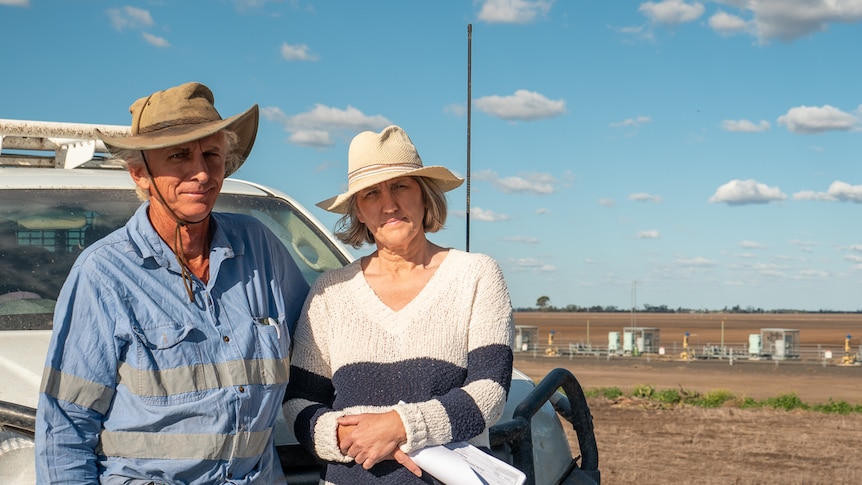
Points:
469	106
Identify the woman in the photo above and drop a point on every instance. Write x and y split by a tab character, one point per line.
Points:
407	347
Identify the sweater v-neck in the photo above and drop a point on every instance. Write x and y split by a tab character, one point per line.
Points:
416	301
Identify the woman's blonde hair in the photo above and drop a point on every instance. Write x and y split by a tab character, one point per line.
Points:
350	231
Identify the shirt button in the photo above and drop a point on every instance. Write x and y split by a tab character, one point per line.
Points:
229	476
226	339
241	389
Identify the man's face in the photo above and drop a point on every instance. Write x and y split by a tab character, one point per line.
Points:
188	176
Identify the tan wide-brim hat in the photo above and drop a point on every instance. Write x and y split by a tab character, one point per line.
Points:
182	114
378	157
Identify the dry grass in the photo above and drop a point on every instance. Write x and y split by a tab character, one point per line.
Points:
724	446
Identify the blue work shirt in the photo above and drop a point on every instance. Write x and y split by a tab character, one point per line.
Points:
141	385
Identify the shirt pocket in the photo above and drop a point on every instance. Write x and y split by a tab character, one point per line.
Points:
168	367
272	349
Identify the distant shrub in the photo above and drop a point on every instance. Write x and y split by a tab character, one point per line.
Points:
721	397
643	391
715	398
606	392
787	402
839	407
668	396
612	392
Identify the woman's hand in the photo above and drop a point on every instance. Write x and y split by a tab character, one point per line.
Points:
372	438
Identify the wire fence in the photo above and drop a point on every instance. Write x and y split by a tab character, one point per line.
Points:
730	352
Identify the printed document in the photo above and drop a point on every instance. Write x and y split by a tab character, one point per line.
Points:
464	464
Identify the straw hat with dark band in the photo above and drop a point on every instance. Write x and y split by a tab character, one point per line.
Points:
377	157
182	114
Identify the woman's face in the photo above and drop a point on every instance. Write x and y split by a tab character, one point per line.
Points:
394	211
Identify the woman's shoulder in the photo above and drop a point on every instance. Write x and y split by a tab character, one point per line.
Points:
339	275
473	259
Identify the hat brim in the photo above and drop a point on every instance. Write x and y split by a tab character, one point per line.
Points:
244	125
444	179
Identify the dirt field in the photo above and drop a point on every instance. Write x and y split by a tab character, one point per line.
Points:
647	444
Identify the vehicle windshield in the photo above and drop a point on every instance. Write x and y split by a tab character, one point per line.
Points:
42	232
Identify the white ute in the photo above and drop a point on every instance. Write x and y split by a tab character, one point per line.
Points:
59	192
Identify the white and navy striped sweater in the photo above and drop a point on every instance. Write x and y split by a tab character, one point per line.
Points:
447	354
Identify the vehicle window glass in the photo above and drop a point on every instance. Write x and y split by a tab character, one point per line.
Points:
42	232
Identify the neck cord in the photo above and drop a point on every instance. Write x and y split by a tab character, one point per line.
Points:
188	282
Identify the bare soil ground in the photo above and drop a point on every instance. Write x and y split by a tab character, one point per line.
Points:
647	443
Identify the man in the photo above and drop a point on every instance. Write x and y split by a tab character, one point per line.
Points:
169	356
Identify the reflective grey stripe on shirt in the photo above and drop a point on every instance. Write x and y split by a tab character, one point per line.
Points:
76	390
201	377
174	446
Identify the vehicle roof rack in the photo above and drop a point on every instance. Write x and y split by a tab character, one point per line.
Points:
51	144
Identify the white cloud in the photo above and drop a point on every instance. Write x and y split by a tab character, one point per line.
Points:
698	262
743	192
320	126
644	197
248	4
609	203
542	211
845	192
311	138
651	234
15	3
769	269
752	245
533	264
838	192
299	52
487	215
671	12
456	109
855	247
129	18
521	239
812	195
725	23
536	183
155	40
813	274
812	119
633	122
523	105
513	11
853	258
744	126
791	19
804	246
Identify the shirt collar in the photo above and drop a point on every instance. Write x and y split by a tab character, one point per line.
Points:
149	244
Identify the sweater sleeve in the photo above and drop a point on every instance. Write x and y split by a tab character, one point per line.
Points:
310	392
465	413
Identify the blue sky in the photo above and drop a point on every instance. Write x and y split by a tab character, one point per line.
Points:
690	154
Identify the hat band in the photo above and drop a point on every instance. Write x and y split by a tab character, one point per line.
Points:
172	123
371	170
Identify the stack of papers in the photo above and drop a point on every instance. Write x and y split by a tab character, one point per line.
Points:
464	464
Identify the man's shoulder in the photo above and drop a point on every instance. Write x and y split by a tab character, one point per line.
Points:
243	224
234	218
